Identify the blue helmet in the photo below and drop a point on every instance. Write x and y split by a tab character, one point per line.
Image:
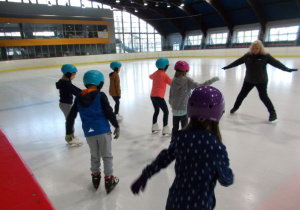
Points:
115	64
93	77
161	63
68	68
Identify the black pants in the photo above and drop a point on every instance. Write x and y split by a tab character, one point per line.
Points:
160	103
262	91
117	105
177	119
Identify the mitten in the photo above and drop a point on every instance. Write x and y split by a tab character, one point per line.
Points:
139	184
117	133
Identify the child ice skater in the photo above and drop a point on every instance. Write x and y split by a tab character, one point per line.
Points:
66	92
115	87
256	61
160	81
96	113
201	158
180	91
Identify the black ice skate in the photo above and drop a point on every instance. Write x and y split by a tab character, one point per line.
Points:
96	177
110	183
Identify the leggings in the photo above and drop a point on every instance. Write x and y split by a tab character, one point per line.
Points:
262	91
177	119
117	105
160	103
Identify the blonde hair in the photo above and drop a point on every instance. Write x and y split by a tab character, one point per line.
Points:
260	44
180	74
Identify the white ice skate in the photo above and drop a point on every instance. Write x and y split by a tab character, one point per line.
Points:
119	117
75	142
166	131
155	128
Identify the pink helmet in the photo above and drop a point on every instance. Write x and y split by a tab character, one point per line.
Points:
182	66
206	102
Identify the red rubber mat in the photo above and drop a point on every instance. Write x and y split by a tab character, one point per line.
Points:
18	187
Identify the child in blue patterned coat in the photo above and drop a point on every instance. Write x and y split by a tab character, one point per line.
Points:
201	157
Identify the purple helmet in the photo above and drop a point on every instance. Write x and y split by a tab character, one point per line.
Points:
206	102
182	66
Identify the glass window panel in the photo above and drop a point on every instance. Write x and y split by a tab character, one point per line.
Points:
52	51
75	3
136	42
150	28
255	33
283	37
274	31
293	29
143	26
292	37
157	42
106	6
144	43
58	51
273	38
31	52
127	42
42	1
62	2
27	1
283	31
87	3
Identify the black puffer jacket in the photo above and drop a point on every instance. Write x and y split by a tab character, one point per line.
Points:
256	67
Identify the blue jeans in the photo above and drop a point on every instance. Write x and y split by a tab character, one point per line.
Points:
160	103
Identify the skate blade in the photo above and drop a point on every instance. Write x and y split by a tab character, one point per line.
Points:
166	134
155	131
75	145
273	121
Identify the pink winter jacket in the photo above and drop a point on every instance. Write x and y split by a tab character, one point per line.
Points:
160	81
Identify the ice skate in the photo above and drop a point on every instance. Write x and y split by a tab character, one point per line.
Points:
119	117
75	141
155	128
273	117
166	131
96	177
110	183
233	110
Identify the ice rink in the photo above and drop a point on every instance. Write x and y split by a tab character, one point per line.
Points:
264	157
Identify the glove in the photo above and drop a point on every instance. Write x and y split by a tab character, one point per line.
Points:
139	184
69	137
291	70
224	68
117	133
214	79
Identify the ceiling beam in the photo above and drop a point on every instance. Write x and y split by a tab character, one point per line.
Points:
258	10
196	17
217	5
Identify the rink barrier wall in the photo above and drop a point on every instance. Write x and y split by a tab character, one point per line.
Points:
19	189
28	64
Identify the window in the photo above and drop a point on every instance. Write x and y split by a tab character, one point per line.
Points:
139	36
175	47
193	40
247	36
219	38
283	34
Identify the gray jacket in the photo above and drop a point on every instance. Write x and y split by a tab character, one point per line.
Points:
180	91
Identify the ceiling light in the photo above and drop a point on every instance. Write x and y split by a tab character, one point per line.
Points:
131	1
117	1
135	10
168	5
156	4
145	3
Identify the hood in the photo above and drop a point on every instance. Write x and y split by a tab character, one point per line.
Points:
111	73
179	82
61	83
88	98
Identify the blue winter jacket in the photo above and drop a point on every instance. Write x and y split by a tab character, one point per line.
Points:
201	160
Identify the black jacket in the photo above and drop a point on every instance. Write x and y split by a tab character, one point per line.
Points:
66	91
256	67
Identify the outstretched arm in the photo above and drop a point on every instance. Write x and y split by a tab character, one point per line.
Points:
235	63
164	158
276	63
